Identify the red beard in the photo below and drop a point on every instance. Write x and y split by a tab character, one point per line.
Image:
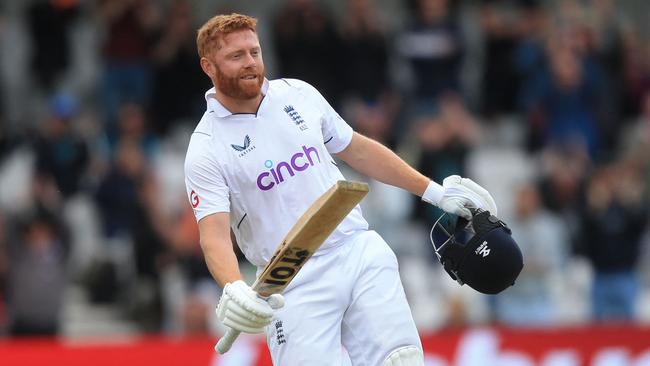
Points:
237	88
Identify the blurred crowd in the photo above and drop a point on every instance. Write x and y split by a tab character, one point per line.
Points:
545	103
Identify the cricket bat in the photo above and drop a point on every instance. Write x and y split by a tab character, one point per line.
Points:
304	238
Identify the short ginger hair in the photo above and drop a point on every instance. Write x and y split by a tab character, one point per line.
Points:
210	33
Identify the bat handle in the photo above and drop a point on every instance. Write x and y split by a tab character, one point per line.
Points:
226	341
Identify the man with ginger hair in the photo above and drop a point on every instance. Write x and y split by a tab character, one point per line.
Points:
260	156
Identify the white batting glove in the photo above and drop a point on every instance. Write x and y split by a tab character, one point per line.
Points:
240	308
457	195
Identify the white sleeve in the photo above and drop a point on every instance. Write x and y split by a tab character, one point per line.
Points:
337	134
205	185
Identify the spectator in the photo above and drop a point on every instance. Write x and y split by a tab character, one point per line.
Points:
61	154
613	223
49	24
36	277
608	46
149	250
308	47
371	106
605	46
130	28
504	23
365	44
529	58
433	46
545	244
636	143
636	72
562	102
132	125
177	83
375	120
117	194
563	173
126	200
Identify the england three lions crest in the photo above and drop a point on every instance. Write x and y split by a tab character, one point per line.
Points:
295	117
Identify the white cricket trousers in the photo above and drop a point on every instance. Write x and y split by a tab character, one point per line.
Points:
351	296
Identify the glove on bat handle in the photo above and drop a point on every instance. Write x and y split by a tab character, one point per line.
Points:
224	344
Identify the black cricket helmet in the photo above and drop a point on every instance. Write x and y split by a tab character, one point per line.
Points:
480	252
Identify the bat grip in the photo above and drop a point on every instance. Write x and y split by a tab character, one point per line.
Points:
224	344
226	341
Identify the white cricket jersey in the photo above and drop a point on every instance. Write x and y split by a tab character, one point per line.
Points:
267	168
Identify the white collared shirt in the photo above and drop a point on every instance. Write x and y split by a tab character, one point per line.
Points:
267	168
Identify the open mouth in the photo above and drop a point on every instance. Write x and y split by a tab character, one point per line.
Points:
249	77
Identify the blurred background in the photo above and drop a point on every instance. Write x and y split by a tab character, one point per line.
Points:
544	103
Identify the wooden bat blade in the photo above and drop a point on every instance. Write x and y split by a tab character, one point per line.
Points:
304	238
307	235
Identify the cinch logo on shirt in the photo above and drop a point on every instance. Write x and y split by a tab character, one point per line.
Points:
299	162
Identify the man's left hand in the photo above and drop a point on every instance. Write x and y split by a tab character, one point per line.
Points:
457	195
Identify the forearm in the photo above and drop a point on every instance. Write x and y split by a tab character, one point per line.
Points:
218	249
379	162
222	263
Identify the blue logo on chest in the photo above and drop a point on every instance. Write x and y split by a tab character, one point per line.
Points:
295	117
244	149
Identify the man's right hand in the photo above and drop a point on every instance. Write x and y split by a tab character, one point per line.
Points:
240	308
